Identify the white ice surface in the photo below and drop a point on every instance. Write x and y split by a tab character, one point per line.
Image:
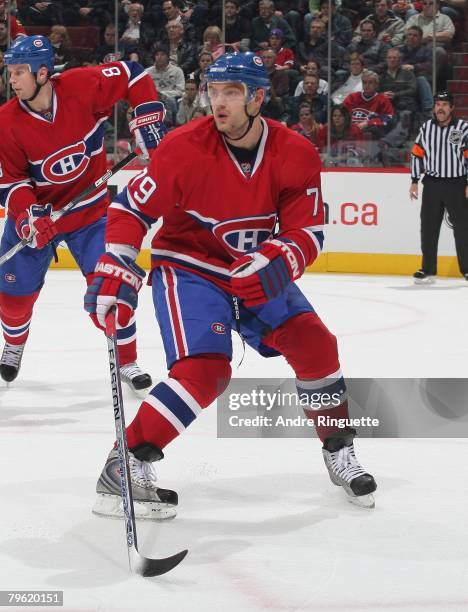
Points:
264	526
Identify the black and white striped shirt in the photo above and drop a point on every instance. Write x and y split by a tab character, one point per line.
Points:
441	152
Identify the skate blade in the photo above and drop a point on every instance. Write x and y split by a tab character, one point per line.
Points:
139	393
363	501
110	506
424	281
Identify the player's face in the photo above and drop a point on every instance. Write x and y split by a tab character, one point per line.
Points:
228	105
22	80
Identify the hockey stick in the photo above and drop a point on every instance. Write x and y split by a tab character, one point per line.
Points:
138	564
59	213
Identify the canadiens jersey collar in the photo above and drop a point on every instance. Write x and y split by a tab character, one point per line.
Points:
25	106
260	152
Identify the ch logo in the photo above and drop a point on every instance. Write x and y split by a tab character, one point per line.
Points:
65	165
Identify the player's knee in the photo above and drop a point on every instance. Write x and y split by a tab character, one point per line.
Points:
308	345
17	307
204	376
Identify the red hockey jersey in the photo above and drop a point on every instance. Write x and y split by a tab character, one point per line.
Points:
378	109
54	159
212	212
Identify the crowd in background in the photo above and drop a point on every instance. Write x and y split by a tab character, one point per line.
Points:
377	66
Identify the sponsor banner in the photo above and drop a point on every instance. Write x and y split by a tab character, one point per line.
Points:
378	408
367	212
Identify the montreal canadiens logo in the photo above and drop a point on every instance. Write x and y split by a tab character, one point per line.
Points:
65	165
10	278
241	235
257	60
218	328
38	43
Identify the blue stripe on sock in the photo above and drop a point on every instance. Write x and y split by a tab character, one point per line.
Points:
174	403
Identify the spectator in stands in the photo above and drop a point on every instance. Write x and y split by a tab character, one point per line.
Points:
16	27
445	29
168	78
341	27
86	12
344	139
106	52
315	43
3	36
284	56
204	60
353	83
189	103
41	13
389	28
318	102
399	85
307	125
371	111
414	55
312	68
212	41
237	27
417	58
182	52
267	21
132	27
316	47
275	108
404	9
278	78
172	11
61	45
372	51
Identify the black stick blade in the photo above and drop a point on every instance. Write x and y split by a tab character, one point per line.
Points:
155	567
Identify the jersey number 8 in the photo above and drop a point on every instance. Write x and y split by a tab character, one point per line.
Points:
112	71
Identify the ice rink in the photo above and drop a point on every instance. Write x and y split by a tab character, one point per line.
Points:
265	528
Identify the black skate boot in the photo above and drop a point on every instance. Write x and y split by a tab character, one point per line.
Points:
150	502
136	379
10	362
345	470
423	278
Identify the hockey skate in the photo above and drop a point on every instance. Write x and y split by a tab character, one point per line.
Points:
150	502
10	362
136	379
345	470
422	278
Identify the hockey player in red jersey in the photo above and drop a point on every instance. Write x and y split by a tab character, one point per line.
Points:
51	150
222	185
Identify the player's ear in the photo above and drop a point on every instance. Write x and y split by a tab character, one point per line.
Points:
42	74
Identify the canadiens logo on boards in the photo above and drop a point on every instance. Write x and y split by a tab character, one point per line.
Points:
65	165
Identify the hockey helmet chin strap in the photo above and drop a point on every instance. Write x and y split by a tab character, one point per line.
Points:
251	119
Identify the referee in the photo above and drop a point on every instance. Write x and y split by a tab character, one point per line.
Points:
441	153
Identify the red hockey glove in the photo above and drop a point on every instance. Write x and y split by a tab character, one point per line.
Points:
35	224
115	282
147	127
266	273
